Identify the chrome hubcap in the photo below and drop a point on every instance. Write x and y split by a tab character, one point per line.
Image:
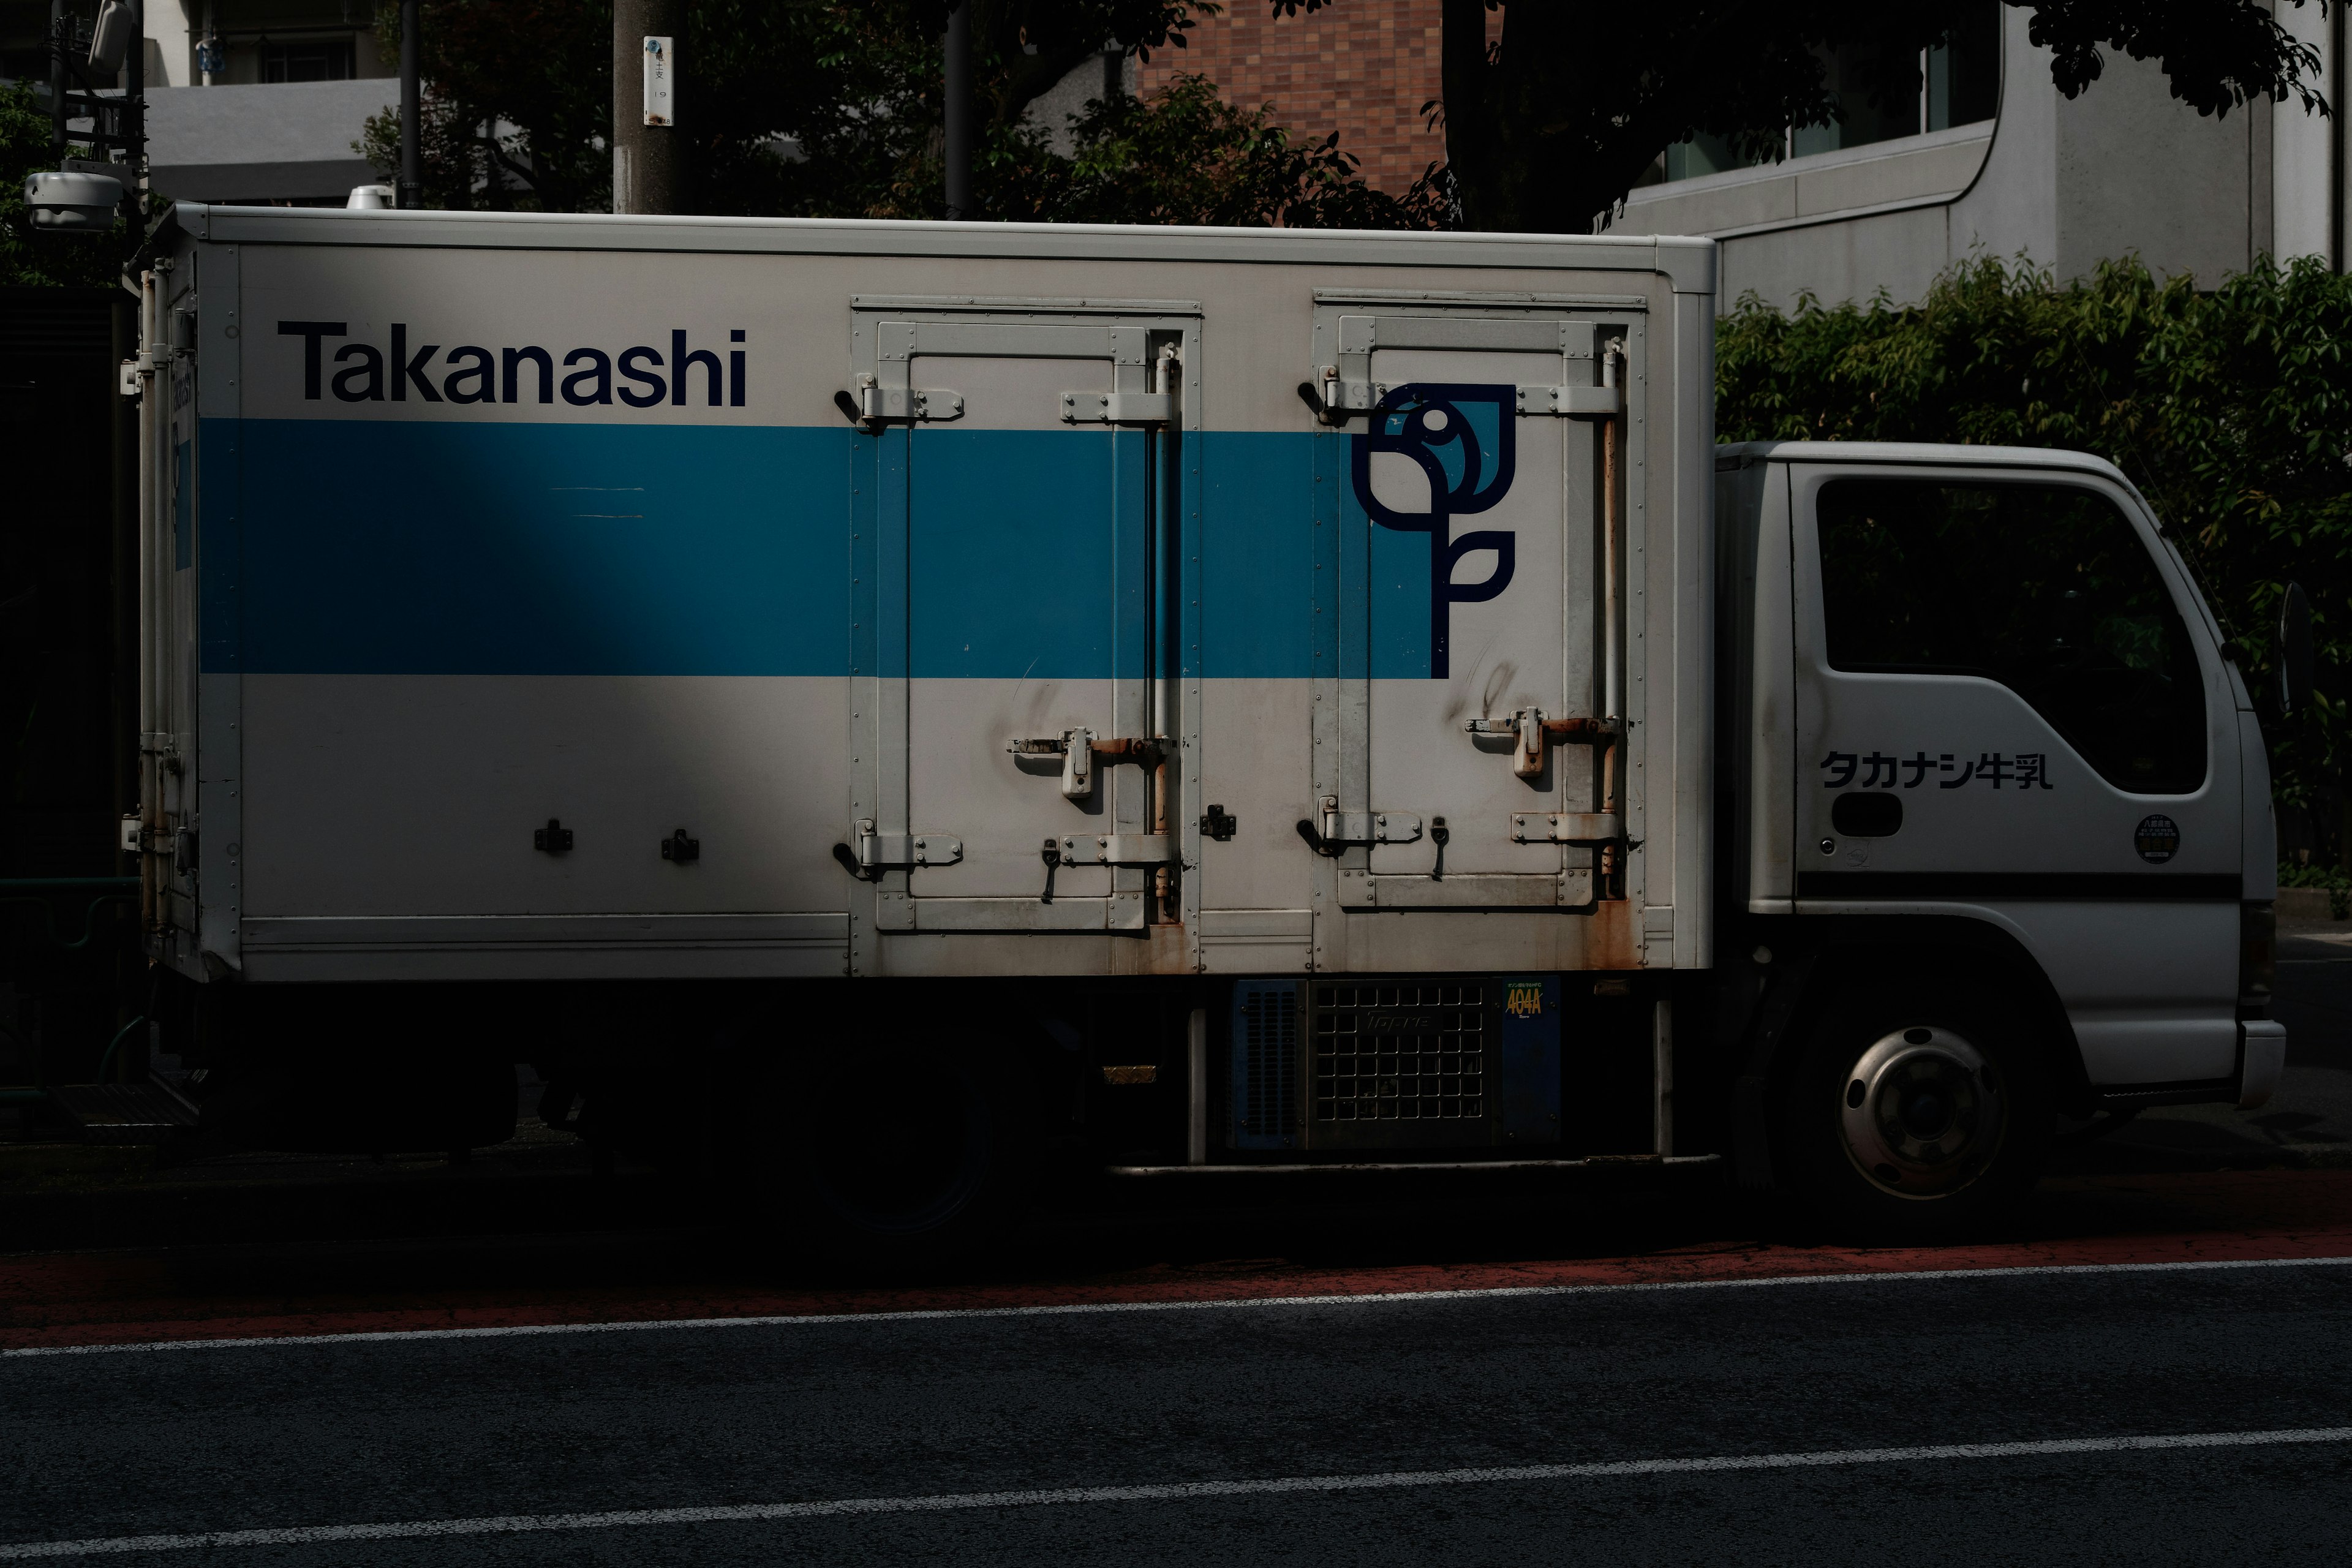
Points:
1921	1112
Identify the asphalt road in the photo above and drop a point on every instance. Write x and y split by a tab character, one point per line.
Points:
2086	1415
1396	1410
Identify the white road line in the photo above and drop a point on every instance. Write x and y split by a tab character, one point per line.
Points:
1177	1491
1084	1309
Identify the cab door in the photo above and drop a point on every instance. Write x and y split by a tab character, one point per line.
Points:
1461	764
2009	707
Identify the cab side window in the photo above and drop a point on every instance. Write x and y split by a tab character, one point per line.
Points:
2045	588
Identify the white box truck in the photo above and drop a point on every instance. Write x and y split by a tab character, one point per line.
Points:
896	706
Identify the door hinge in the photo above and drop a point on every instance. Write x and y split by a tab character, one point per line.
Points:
1368	826
880	405
1572	401
1118	408
1118	850
1566	827
890	851
1335	398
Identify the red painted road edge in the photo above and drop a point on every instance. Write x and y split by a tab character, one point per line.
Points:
22	1283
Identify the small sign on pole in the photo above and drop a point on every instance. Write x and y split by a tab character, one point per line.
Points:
661	71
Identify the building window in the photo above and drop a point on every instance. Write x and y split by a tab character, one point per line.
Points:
1959	84
1963	83
311	60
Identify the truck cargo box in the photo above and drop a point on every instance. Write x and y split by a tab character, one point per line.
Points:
568	596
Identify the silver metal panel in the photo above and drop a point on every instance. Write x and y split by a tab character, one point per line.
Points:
1550	510
1770	741
416	796
202	765
1690	264
603	932
937	913
1028	340
1690	729
953	743
2157	1007
1490	334
220	824
1649	620
1511	652
1466	301
1261	770
1363	890
1235	925
379	753
1014	305
592	947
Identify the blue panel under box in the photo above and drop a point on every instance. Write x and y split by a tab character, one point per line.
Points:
1530	1034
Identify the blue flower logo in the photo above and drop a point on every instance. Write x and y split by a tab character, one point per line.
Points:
1463	437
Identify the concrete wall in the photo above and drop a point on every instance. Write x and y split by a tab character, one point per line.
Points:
2065	183
2141	171
2303	148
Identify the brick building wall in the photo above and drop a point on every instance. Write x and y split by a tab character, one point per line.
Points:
1363	67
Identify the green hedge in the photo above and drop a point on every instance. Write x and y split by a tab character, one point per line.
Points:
2231	411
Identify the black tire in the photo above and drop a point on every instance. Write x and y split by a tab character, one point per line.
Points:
897	1155
1914	1115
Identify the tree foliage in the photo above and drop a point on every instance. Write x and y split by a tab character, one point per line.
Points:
1556	120
831	107
1180	155
28	257
2231	410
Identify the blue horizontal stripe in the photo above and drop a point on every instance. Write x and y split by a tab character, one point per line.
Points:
447	547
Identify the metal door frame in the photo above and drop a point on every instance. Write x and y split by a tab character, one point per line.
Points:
1341	698
2048	925
886	333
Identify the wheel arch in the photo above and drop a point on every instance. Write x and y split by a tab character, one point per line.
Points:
1819	960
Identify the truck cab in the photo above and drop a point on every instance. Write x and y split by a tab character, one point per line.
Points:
1997	837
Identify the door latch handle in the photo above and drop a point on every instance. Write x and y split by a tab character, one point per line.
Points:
1078	749
1531	732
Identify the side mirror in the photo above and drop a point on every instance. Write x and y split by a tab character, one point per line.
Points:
2294	658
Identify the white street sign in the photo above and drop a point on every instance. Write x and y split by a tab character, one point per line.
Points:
661	71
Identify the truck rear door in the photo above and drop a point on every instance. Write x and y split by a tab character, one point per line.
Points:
1005	728
1464	597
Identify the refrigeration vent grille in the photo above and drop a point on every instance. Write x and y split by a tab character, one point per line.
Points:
1400	1053
1267	1105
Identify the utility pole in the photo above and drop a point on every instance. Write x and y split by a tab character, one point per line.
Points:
100	72
959	112
647	173
410	192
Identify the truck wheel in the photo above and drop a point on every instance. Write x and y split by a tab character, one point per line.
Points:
1915	1119
902	1155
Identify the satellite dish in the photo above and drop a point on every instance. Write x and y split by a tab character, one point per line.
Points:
71	200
